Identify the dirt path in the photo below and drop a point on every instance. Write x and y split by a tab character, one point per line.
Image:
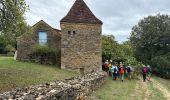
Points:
162	88
141	91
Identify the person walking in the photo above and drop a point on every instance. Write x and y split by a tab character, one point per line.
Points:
144	72
106	66
129	71
110	67
149	72
121	71
114	71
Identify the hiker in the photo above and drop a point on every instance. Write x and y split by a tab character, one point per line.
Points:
110	67
149	72
121	71
114	71
106	65
129	71
118	74
144	72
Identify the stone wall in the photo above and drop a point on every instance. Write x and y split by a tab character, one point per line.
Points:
81	46
26	42
69	89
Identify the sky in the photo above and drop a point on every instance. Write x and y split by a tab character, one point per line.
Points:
118	16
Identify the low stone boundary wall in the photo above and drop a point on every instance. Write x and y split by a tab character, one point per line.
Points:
69	89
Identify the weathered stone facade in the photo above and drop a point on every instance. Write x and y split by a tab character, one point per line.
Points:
81	39
69	89
26	42
81	49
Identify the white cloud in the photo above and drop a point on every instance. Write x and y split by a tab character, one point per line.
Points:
118	16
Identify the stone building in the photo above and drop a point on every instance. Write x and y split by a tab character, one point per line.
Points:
81	39
42	34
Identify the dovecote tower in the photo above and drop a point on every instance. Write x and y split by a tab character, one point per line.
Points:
81	39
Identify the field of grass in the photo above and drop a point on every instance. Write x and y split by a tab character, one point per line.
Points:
155	93
114	90
165	82
15	74
128	90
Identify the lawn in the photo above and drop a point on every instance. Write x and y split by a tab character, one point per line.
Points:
15	74
128	90
114	90
165	82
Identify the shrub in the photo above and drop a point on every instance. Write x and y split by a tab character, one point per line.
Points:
161	65
10	48
46	55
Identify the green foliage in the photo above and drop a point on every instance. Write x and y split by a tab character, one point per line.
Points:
42	49
10	48
110	48
2	45
117	52
150	41
120	52
12	22
46	52
11	14
162	65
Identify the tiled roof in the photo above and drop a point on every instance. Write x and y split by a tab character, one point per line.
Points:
80	13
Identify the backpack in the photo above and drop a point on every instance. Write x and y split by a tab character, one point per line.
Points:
144	70
128	69
115	70
121	70
149	70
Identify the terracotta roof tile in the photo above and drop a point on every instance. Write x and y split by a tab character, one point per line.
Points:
80	13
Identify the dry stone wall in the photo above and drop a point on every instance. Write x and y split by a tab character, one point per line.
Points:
69	89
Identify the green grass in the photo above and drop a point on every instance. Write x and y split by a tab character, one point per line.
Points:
15	74
114	90
156	94
165	82
128	90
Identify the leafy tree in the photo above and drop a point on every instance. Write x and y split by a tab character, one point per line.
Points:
12	21
128	53
150	39
109	48
10	48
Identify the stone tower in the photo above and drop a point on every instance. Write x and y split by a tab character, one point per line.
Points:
81	39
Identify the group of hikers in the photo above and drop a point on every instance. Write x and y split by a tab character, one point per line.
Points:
119	70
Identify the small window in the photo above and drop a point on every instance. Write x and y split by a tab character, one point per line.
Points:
69	32
42	38
74	32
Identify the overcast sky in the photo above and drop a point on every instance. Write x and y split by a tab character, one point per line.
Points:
118	16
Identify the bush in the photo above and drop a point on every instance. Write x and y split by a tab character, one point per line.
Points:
161	65
46	55
10	48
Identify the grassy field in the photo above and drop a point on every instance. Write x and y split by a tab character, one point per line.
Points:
128	90
15	74
114	90
165	82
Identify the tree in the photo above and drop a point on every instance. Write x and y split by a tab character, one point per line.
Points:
150	38
12	20
109	48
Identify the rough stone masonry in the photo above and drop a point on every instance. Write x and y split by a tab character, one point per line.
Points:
81	39
69	89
